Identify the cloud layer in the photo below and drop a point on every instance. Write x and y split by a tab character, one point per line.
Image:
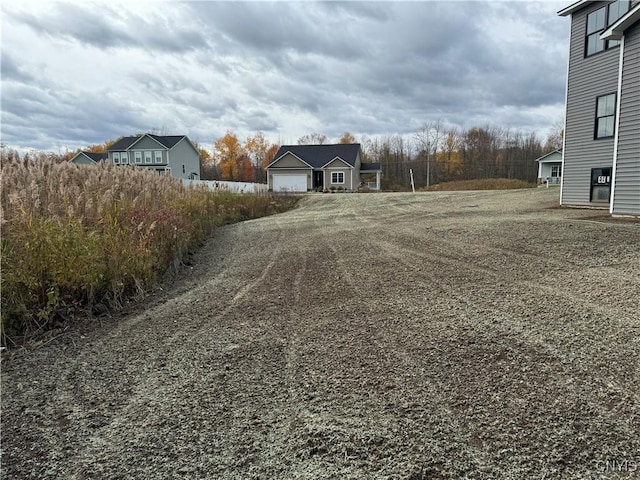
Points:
74	74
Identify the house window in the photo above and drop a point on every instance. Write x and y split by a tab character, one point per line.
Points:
605	115
138	157
116	157
556	171
147	157
158	156
124	158
600	19
337	177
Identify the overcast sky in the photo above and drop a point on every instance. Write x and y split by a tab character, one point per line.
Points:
77	73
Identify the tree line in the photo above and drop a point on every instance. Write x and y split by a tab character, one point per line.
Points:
434	153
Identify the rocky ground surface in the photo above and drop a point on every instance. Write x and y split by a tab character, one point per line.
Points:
372	336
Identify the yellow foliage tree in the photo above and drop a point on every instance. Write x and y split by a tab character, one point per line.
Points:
227	150
347	138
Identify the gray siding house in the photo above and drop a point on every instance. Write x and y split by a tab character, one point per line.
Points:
300	168
550	168
601	154
166	154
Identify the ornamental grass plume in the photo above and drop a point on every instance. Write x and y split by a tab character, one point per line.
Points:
80	237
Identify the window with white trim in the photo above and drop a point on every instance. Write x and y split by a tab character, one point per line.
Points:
337	177
147	157
556	171
124	158
600	19
116	157
605	116
158	156
138	157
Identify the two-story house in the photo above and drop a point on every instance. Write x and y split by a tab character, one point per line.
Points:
166	154
601	154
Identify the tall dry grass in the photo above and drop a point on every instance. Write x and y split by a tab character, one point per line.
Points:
83	237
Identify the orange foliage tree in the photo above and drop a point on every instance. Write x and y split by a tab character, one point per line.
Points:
227	152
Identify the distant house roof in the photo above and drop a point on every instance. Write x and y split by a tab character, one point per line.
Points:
369	167
97	157
123	143
168	141
319	155
94	157
541	159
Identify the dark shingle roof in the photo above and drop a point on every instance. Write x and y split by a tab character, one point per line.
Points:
96	157
319	155
123	143
168	141
373	167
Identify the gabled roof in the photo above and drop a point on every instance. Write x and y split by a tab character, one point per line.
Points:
94	157
616	30
319	155
168	141
559	150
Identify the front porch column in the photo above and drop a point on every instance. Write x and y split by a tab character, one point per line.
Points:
377	180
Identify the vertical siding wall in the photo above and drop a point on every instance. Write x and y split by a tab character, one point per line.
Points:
627	176
589	77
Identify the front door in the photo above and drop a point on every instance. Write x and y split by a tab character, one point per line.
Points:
318	179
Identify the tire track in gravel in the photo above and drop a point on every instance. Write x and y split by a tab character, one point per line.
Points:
618	400
353	339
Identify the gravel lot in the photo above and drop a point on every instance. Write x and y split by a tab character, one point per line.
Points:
373	336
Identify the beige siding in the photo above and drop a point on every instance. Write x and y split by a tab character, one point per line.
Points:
289	161
627	176
347	178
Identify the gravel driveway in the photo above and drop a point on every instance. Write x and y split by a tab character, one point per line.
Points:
372	336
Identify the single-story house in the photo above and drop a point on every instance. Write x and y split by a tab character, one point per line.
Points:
301	168
166	154
550	168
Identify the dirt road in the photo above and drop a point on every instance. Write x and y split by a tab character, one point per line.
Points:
382	336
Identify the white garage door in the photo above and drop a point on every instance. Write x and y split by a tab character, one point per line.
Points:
289	183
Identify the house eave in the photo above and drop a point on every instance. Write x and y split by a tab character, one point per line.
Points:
616	31
574	7
334	159
540	159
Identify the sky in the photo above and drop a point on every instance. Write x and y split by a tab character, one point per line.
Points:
81	72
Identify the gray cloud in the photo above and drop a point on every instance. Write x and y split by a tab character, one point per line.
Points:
89	72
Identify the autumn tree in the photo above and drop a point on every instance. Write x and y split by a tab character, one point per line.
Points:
347	138
555	136
226	152
270	155
313	139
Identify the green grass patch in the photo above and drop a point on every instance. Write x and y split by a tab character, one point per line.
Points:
482	184
82	238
